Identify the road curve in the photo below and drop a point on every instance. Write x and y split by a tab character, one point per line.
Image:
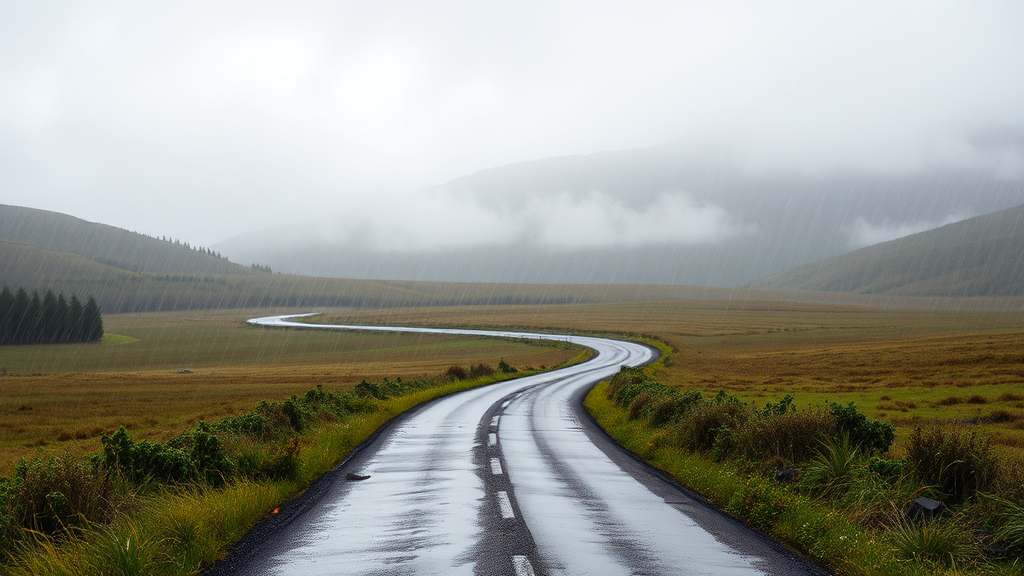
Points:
511	478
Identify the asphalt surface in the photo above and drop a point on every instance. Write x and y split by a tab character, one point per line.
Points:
508	479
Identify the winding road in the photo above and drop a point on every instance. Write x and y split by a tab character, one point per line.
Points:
512	478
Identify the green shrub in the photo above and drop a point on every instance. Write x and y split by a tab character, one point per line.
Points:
759	502
724	443
481	370
137	461
506	368
704	422
52	495
195	455
454	373
251	424
664	410
887	469
955	461
783	406
784	433
871	436
638	408
834	468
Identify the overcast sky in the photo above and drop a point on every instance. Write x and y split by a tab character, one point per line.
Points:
203	120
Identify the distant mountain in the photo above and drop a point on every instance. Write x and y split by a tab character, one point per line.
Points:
732	225
130	272
981	256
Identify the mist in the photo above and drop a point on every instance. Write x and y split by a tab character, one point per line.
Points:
205	121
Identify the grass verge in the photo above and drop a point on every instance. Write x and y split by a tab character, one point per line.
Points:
173	528
843	510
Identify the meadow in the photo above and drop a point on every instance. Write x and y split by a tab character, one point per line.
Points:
907	366
912	366
57	397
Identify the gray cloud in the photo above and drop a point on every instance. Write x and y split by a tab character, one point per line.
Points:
863	233
204	120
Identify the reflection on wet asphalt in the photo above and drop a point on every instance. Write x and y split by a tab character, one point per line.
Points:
500	480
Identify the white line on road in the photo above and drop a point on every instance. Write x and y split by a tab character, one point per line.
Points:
522	566
494	421
495	467
506	505
506	403
492	439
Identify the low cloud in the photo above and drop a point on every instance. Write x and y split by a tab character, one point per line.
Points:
862	233
442	220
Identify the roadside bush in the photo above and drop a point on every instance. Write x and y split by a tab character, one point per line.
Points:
480	370
957	462
834	468
871	436
367	389
664	410
785	433
454	373
638	408
506	368
53	495
280	463
206	454
195	455
251	424
759	502
885	469
138	461
630	383
704	422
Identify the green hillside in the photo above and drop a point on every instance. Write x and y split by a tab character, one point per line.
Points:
981	256
130	272
102	244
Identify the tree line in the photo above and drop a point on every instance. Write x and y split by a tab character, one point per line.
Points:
51	319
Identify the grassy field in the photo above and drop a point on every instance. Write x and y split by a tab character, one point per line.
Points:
64	396
906	366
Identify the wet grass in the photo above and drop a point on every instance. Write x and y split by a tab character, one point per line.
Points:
906	366
61	397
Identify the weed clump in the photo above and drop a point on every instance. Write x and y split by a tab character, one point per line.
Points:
955	461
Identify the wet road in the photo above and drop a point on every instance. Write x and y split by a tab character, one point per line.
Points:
511	478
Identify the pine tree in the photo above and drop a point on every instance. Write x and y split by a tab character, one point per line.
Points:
75	332
6	315
19	317
92	321
33	320
63	328
48	318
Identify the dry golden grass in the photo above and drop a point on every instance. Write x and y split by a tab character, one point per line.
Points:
65	396
910	366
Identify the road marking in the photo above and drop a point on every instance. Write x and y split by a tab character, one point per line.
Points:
494	421
506	403
522	566
492	439
506	505
495	466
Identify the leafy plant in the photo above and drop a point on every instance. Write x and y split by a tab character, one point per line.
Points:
873	436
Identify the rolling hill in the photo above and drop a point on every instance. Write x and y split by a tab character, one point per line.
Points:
981	256
661	215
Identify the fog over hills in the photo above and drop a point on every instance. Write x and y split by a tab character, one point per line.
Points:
982	256
669	214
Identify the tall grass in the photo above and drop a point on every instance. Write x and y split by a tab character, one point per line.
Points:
849	508
178	527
